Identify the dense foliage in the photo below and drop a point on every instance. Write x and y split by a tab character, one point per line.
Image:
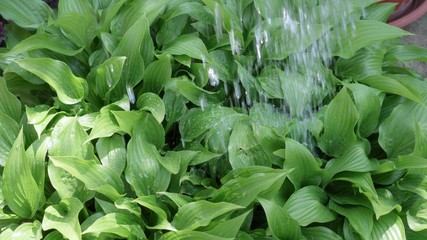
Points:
202	119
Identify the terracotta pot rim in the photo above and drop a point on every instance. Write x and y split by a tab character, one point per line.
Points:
411	17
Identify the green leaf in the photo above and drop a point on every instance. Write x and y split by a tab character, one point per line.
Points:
397	132
360	218
228	228
417	215
28	14
189	45
157	75
353	159
199	214
19	188
191	235
96	177
9	103
149	176
306	170
195	94
406	53
27	231
112	153
9	131
70	89
64	218
153	103
281	224
106	125
362	181
197	121
320	233
108	14
108	75
395	85
119	224
306	206
243	190
340	119
366	33
52	42
161	219
389	227
410	161
414	183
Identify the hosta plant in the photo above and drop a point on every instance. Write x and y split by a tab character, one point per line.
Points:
210	119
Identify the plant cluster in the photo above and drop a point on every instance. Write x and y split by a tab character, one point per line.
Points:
210	119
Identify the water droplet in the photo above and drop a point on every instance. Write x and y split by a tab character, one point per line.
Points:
130	93
213	77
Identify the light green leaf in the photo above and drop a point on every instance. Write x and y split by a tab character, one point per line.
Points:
243	190
389	227
149	176
197	121
306	206
395	85
410	161
108	75
9	103
199	214
9	131
40	116
161	220
20	190
306	170
127	119
27	231
281	224
417	215
340	119
118	224
106	125
191	235
64	218
26	14
360	218
157	75
320	233
96	177
70	89
153	103
352	159
228	228
41	40
112	153
366	33
406	53
195	94
189	45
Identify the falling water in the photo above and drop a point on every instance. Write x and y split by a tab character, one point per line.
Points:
302	52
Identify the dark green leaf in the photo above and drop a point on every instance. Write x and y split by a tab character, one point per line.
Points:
157	74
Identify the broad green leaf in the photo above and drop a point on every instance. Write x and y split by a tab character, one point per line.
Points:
106	125
64	218
127	119
52	42
199	214
27	14
340	119
191	235
380	12
320	233
189	45
389	227
148	176
70	89
395	85
366	33
195	94
244	190
306	206
175	106
414	183
96	177
306	170
161	220
406	53
368	104
108	75
352	159
270	9
27	231
153	103
9	104
9	131
41	116
417	215
108	14
20	190
397	132
174	27
228	228
244	150
118	224
360	218
197	121
112	153
130	47
157	75
410	161
280	223
178	200
54	235
362	181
